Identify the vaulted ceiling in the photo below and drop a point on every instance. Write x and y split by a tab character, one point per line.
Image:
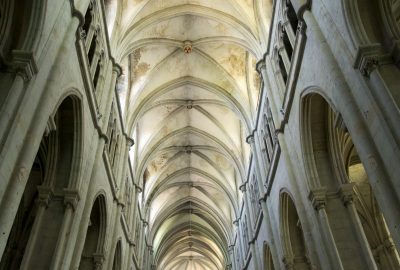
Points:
189	95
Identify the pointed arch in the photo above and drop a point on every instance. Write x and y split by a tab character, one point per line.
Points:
268	261
117	260
333	164
41	209
295	250
93	250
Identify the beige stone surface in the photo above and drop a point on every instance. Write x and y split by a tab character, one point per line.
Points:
199	134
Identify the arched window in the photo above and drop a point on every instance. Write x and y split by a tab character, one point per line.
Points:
114	151
269	130
286	44
92	254
42	207
21	24
268	262
354	216
282	68
96	76
117	262
254	196
137	232
25	217
245	234
112	135
88	19
296	255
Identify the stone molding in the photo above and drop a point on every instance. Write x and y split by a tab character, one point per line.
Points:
347	193
45	195
317	197
71	197
370	57
24	63
50	126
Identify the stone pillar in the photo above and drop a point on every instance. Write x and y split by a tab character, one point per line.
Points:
13	180
108	95
71	199
260	176
43	201
241	248
91	31
116	217
95	62
123	162
25	70
318	200
81	227
232	257
384	182
250	226
135	210
346	191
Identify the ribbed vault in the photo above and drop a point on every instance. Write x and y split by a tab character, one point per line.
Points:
189	95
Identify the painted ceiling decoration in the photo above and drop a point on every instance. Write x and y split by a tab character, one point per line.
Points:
189	95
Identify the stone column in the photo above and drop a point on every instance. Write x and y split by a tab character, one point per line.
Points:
260	176
123	161
82	223
318	200
71	199
241	248
232	257
25	68
13	179
108	95
384	182
346	191
261	69
114	234
91	31
135	211
95	61
250	226
379	70
43	201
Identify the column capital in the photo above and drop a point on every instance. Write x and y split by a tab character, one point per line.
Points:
301	27
250	138
129	141
50	126
138	189
317	197
347	193
98	259
288	262
369	57
24	63
71	197
242	187
45	194
260	65
117	69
